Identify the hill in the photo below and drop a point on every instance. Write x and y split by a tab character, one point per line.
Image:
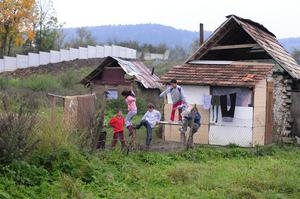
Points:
143	33
155	34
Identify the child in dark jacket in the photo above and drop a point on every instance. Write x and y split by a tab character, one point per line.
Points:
117	123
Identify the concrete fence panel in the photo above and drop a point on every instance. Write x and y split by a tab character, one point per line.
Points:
92	52
122	52
99	51
83	53
107	51
1	65
33	59
115	51
22	61
10	63
74	53
44	58
54	56
64	55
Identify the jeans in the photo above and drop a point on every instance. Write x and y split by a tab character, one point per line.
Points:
146	124
129	117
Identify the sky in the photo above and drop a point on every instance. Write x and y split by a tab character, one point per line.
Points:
282	17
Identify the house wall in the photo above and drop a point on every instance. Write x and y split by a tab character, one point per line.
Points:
282	117
295	109
239	130
259	113
194	95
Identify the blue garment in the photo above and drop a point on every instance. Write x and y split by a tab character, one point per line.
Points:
196	119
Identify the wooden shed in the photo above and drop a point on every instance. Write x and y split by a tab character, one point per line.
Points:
252	117
115	74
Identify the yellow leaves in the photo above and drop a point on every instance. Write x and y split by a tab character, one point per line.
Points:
17	18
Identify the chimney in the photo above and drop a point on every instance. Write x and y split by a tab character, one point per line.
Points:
201	34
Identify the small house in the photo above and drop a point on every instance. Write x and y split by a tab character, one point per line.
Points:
113	75
245	58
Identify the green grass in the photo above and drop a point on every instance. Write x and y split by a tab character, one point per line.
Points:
204	172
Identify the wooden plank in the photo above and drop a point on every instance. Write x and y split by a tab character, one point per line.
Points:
258	136
260	96
237	46
259	117
269	113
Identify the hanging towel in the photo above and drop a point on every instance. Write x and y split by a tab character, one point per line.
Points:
206	101
227	115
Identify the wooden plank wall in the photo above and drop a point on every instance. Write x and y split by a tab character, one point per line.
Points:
171	132
259	113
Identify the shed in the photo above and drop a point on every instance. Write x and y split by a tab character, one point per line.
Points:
115	74
216	78
239	39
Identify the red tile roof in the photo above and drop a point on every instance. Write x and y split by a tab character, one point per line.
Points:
237	74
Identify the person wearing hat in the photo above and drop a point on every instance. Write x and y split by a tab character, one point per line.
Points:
177	96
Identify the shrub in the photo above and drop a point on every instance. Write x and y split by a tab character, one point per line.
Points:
40	83
16	131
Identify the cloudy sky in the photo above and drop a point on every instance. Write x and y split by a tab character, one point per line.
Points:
280	17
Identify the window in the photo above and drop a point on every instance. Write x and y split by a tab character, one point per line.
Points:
112	94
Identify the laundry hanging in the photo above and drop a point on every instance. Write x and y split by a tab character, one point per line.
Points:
206	101
228	115
215	103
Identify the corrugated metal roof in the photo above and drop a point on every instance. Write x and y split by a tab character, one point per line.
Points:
132	68
240	74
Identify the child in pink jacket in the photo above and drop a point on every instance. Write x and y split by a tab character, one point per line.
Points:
131	107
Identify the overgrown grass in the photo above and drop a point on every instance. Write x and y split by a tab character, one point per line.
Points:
204	172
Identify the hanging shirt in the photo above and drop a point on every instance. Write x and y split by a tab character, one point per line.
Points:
206	101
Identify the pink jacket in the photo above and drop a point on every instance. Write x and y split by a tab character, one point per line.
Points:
131	105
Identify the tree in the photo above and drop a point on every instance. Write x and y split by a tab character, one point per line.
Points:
17	18
49	34
83	39
178	54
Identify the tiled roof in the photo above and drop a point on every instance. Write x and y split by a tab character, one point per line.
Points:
271	45
238	74
261	35
132	68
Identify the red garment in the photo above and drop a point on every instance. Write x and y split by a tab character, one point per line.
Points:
174	107
117	123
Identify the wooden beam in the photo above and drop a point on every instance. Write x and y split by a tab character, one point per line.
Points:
237	46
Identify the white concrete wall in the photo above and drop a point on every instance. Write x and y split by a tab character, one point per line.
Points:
107	51
83	53
99	51
54	56
33	60
74	53
1	65
115	51
22	61
64	55
43	58
92	52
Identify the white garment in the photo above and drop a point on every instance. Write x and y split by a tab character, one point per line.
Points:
206	101
152	117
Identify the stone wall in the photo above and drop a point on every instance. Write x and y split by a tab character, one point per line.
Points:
282	118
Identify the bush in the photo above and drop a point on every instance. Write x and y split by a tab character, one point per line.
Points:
16	132
40	83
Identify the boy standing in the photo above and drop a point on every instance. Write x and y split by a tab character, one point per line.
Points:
117	123
149	120
177	96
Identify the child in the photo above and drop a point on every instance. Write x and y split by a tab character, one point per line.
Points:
177	96
117	123
149	120
131	107
187	115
